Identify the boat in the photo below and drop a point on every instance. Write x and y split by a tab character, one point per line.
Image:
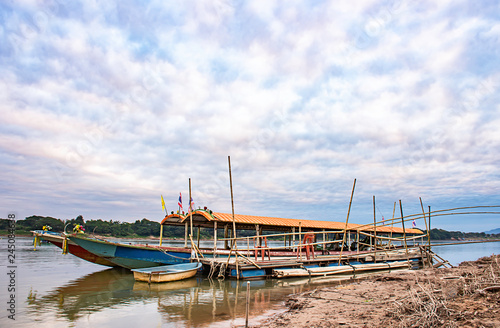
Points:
167	273
300	247
59	240
338	269
132	256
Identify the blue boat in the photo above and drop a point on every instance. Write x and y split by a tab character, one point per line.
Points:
133	256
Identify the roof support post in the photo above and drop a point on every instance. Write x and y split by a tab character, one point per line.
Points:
198	237
324	239
257	233
300	240
215	238
226	235
186	234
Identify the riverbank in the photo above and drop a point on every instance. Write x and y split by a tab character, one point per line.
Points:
464	296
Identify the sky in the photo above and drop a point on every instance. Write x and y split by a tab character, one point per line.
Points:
107	105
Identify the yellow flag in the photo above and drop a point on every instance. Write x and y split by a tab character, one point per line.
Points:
162	202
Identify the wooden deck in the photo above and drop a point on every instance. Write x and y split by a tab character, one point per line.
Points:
249	268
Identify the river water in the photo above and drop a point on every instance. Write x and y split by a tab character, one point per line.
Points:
55	290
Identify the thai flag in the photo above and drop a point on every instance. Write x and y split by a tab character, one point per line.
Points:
414	225
180	201
191	205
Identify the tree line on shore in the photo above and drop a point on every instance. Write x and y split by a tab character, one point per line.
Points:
147	228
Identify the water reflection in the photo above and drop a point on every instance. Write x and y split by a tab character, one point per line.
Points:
193	302
87	294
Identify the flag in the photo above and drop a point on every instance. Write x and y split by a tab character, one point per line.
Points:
191	205
162	203
180	201
413	224
383	218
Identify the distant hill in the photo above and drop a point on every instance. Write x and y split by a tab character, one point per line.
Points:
494	231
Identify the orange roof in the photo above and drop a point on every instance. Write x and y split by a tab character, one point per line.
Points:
278	222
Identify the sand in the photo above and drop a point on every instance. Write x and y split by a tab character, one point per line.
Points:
464	296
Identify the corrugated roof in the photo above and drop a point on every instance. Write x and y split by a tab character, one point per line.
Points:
279	222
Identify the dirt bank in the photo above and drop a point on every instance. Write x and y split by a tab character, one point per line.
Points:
464	296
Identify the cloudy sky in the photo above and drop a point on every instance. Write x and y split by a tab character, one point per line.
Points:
106	106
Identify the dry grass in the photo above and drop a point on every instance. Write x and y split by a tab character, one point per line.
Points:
428	305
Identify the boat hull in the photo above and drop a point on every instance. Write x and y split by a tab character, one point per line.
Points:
74	249
133	256
166	273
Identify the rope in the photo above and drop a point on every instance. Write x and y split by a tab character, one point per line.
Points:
166	253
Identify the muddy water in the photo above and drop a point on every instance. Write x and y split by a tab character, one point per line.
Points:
55	290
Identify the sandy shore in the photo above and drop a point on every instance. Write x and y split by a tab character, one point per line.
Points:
464	296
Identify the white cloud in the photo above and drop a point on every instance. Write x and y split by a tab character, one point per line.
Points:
117	101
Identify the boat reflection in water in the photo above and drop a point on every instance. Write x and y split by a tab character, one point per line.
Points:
197	301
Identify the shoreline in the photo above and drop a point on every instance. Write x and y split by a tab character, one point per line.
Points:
463	296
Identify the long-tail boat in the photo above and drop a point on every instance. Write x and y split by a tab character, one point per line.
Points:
61	241
132	256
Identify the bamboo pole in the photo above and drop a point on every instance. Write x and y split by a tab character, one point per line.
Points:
374	231
248	259
248	304
190	209
404	232
426	226
232	208
346	221
161	233
198	237
300	240
392	220
215	238
430	228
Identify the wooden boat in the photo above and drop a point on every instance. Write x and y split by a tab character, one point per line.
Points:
167	273
72	248
132	256
337	269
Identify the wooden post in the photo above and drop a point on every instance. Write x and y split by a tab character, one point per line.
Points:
392	221
324	240
430	228
161	233
186	235
349	239
248	304
346	221
404	232
215	238
293	231
190	209
374	232
226	235
198	237
357	241
300	241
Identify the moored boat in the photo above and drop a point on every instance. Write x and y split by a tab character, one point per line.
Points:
132	256
58	239
167	273
338	269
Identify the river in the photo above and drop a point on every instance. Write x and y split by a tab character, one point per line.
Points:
54	290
